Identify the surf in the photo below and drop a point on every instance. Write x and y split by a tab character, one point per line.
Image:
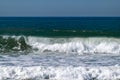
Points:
70	45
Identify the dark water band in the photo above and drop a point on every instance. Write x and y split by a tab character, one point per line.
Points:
61	33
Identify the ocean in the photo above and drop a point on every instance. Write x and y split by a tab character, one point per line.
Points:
59	48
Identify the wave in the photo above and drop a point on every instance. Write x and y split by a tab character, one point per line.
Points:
79	45
13	43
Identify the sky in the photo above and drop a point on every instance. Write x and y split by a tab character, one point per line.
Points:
60	8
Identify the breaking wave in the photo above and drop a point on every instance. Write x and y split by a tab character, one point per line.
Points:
77	45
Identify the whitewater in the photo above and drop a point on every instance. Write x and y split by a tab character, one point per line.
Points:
77	45
59	58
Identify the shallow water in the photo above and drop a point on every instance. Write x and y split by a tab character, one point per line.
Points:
56	60
54	66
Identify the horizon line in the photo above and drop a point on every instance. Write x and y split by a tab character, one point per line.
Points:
60	16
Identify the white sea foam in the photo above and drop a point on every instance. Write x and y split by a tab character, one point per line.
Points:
60	73
92	45
52	63
76	45
60	67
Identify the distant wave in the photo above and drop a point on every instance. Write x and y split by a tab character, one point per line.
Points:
91	45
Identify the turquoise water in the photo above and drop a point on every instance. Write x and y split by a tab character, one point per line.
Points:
59	48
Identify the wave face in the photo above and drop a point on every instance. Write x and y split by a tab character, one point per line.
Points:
91	45
13	43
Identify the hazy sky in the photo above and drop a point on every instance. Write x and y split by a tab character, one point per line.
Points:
59	7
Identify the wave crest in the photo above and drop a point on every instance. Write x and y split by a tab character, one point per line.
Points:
76	45
92	45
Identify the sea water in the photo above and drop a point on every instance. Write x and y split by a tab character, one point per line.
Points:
59	48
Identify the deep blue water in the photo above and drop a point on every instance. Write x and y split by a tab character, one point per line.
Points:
61	26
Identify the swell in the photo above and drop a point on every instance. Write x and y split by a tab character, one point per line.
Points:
59	32
78	45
